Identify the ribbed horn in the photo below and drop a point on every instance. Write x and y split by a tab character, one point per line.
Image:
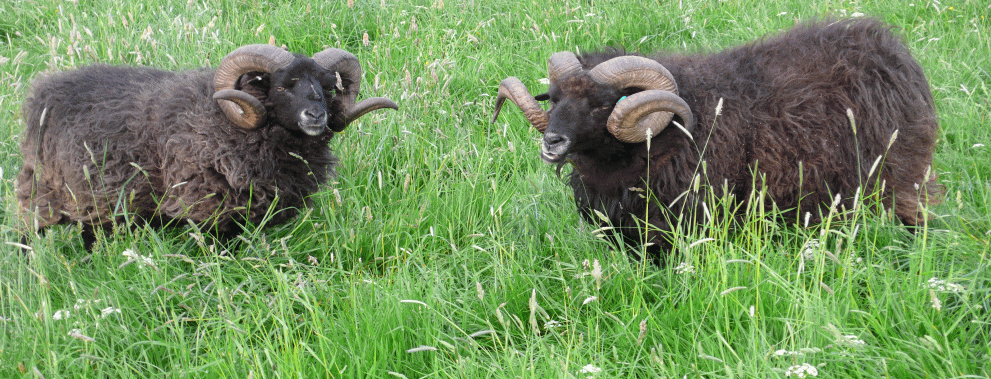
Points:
236	105
562	64
348	66
644	114
513	89
633	71
368	105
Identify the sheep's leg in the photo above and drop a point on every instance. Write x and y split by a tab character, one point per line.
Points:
25	248
89	237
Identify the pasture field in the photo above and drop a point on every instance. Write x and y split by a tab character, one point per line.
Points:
446	248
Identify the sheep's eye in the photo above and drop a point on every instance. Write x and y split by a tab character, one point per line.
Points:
280	89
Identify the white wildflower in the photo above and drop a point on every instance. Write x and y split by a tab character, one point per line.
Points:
787	353
808	251
62	314
799	353
551	324
132	256
803	370
108	311
944	286
936	303
850	340
590	369
685	268
544	81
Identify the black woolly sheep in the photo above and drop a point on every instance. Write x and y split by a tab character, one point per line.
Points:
221	147
784	122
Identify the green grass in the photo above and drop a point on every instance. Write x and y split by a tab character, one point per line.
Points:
446	232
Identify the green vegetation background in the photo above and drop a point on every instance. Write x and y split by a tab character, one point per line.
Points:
445	248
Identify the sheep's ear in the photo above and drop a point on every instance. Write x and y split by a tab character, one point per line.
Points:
542	97
255	83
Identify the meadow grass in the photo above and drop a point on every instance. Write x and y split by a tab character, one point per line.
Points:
445	248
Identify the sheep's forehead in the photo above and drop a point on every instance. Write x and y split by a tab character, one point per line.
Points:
302	68
579	86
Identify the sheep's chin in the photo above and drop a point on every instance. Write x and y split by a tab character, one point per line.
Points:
313	130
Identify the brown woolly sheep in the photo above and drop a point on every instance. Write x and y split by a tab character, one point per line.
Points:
783	121
220	147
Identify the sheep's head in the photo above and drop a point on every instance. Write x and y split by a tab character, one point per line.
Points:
303	94
626	99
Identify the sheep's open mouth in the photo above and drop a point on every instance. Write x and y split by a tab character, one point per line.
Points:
551	157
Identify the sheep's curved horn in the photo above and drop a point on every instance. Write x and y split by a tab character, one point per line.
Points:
348	66
245	104
633	71
513	89
562	64
647	111
366	106
238	108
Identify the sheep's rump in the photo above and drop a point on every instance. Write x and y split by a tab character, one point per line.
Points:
784	127
102	140
785	102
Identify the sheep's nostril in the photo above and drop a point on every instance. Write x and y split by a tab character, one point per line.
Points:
556	144
554	140
318	116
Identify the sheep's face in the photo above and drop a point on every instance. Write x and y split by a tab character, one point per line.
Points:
579	109
300	97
